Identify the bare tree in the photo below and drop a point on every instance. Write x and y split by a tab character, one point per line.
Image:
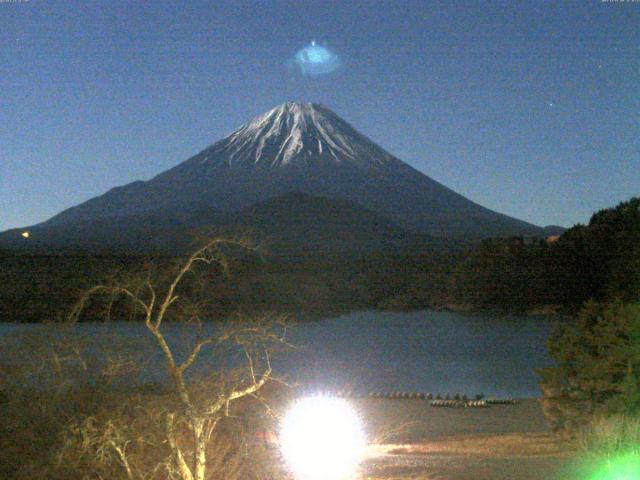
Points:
198	406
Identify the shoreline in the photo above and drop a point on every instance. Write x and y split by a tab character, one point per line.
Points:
503	442
409	421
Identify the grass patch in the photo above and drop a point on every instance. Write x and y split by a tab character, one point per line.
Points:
611	437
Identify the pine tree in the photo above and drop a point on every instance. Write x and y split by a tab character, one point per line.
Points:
598	366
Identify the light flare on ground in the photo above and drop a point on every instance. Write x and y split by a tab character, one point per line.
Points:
322	439
623	467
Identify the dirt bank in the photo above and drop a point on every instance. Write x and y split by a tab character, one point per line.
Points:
502	442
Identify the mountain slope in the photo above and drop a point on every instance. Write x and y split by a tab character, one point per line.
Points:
297	222
290	224
301	148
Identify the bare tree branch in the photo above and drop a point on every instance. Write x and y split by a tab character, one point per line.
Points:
105	289
200	415
183	468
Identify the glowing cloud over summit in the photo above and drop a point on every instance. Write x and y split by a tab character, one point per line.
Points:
314	61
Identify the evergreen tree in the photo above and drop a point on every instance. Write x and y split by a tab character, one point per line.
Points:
598	366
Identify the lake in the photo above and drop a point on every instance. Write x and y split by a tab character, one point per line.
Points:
423	351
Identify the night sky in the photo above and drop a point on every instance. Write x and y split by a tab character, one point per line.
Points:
528	108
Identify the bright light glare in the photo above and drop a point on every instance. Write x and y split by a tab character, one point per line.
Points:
625	467
322	439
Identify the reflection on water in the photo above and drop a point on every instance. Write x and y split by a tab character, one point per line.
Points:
437	352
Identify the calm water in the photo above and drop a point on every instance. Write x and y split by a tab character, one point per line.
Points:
437	352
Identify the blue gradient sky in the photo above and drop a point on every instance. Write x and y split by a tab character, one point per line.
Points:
529	108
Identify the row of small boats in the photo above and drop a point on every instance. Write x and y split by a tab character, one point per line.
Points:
437	400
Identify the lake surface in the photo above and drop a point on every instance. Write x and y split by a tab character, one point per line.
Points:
424	351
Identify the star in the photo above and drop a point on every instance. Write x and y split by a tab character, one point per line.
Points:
551	104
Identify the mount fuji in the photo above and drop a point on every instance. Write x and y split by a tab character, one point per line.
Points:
294	148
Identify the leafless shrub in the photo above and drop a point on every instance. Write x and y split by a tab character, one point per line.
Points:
102	422
173	300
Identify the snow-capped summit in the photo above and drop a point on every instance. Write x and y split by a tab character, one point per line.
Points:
296	133
307	148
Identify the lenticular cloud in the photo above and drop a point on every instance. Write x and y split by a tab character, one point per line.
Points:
314	61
